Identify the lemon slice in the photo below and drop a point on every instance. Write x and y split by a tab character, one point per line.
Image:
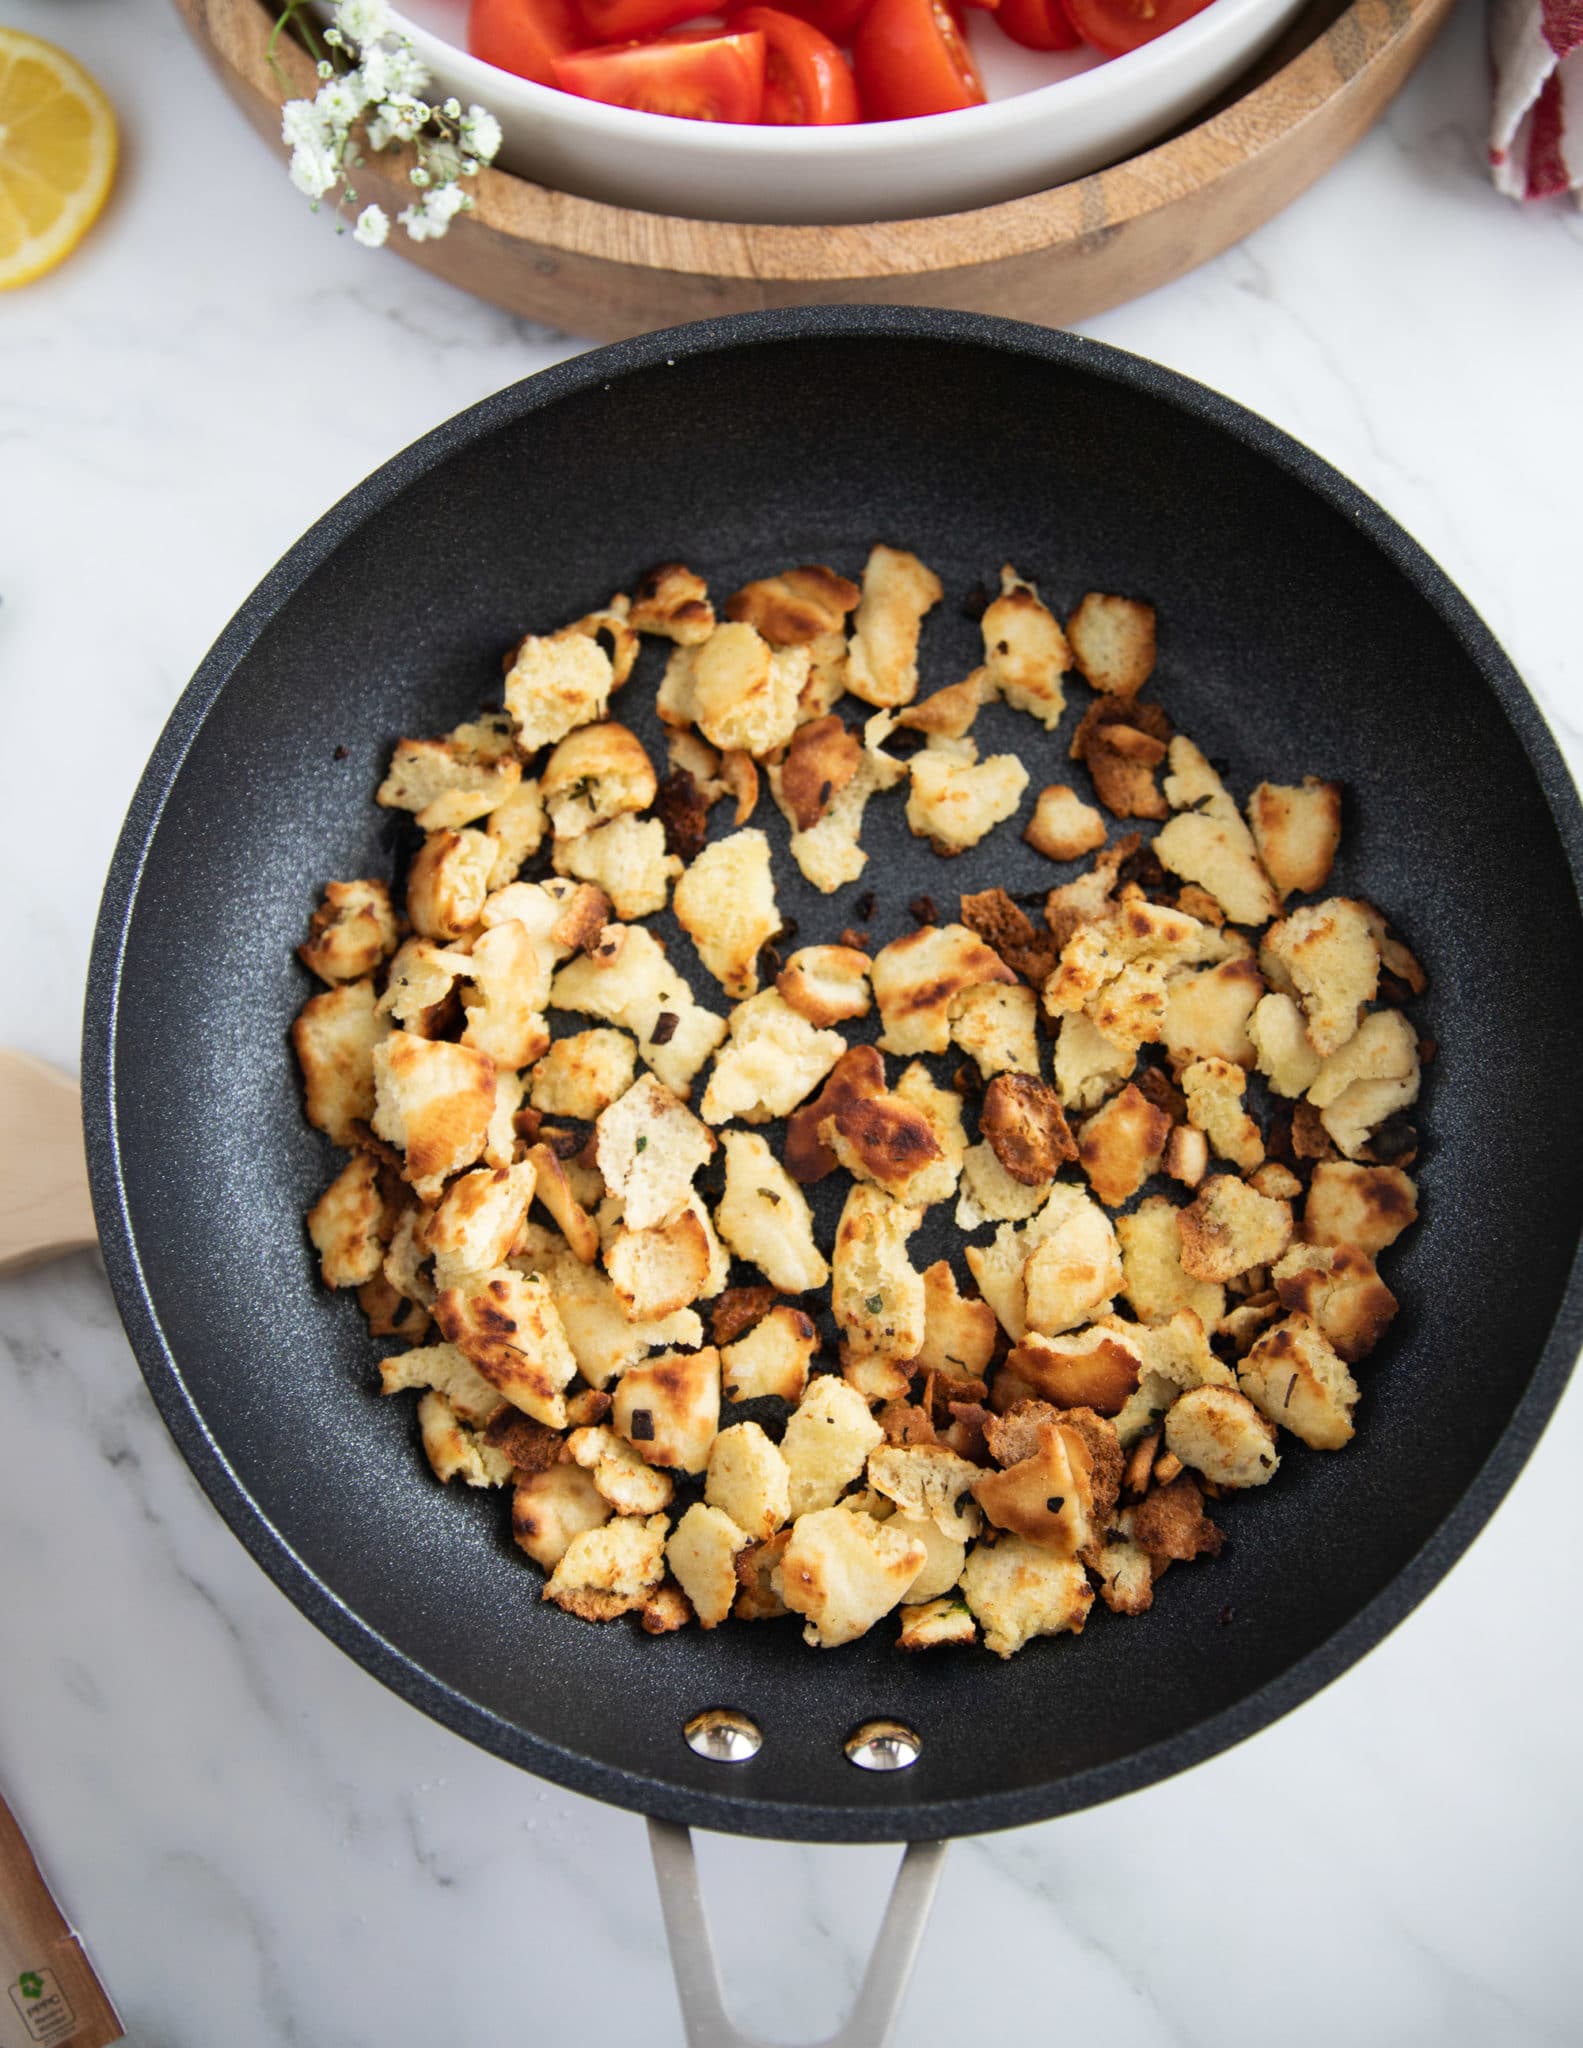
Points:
57	155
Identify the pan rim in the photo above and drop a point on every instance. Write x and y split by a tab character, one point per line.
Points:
720	1811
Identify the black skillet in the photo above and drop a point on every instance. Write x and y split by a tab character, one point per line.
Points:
1301	632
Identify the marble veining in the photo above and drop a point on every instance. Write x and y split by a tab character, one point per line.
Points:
264	1846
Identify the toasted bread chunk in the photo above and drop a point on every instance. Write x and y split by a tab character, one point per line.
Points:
619	1473
1023	1122
1046	1496
517	829
842	1572
1122	744
1395	958
725	902
1178	1350
1220	1433
648	1145
1154	1279
1340	1292
1171	1523
507	1325
702	1552
432	1100
1280	1038
1215	1090
1017	1590
878	1136
671	601
452	781
557	682
477	1220
918	979
773	1060
823	758
797	606
1207	1013
552	1507
955	803
604	1340
1074	1269
749	1480
875	1295
1025	651
1063	827
661	1269
583	1073
826	984
627	859
609	1571
1297	831
1366	1206
1326	955
827	1443
1126	1573
455	1451
959	1333
1026	949
882	654
928	1483
1229	1228
595	774
1186	1156
665	1610
502	1002
1112	640
350	933
990	1194
764	1217
448	1372
1371	1077
1117	970
1121	1145
627	980
553	1187
1210	845
448	881
936	1624
947	713
1088	1065
943	1556
740	692
997	1027
345	1225
1296	1379
668	1408
738	1309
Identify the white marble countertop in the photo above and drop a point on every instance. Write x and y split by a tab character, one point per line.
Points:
264	1846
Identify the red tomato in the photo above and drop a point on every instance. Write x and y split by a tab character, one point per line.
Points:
1116	26
833	18
807	81
622	21
525	36
1038	24
714	78
911	57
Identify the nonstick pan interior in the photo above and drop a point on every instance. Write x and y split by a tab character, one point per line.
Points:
1300	633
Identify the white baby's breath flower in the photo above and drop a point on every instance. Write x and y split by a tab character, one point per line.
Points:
443	162
433	214
303	125
373	226
363	21
343	99
452	110
314	169
390	72
481	135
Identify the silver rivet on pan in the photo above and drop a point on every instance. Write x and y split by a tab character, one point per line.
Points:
883	1746
723	1735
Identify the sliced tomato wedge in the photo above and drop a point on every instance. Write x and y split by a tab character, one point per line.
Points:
623	21
833	18
1117	26
525	36
911	57
807	81
707	78
1038	24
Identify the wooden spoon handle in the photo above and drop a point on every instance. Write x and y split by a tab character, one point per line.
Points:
44	1205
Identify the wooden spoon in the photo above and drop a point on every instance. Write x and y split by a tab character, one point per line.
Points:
44	1205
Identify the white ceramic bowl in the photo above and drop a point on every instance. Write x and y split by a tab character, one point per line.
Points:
1049	118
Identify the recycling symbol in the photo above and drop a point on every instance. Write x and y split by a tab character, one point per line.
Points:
30	1984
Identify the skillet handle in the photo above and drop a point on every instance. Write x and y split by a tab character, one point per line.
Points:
872	2020
44	1205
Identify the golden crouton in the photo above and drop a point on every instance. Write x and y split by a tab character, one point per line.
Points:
671	601
582	1074
1088	1066
842	1572
553	1187
1297	831
1366	1206
1025	651
702	1552
764	1216
1122	744
626	979
609	1571
1102	960
1210	845
1229	1227
826	984
1371	1077
351	932
959	1333
1074	1267
557	682
648	1145
1221	1434
797	606
661	1269
1022	1120
999	1267
1126	1574
389	1314
875	1295
597	773
506	1323
740	692
517	828
1214	1090
1178	1350
725	902
997	1027
477	1219
455	1451
954	803
943	1556
1186	1156
929	1483
818	765
1045	1496
882	660
1338	1289
1063	827
1207	1013
619	1473
627	859
604	1341
611	625
1395	958
502	1004
1112	640
1295	1378
876	1135
936	1624
827	1443
443	1367
749	1480
1280	1039
1095	1368
419	987
448	881
1017	1590
1154	1280
1120	1146
344	1224
433	1101
669	1408
950	712
1171	1523
828	852
774	1058
918	979
552	1507
991	1195
1326	955
450	782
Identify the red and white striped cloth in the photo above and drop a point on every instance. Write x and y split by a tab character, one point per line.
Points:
1536	139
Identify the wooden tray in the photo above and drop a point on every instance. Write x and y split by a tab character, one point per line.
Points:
1057	256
